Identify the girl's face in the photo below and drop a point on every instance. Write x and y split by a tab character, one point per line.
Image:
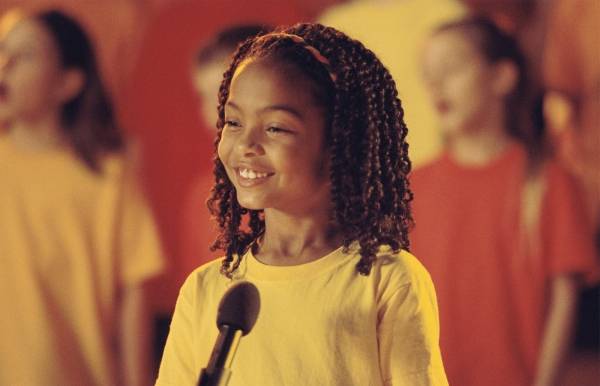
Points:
461	82
30	73
272	144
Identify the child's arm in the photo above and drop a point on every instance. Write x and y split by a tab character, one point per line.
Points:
178	365
134	337
408	333
558	331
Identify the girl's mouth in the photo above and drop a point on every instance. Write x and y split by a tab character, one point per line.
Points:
251	174
247	177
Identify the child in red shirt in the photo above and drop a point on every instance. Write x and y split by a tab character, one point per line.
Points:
501	229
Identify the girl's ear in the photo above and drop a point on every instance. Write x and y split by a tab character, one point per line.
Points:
507	76
71	84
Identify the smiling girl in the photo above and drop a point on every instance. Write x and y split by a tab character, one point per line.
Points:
312	200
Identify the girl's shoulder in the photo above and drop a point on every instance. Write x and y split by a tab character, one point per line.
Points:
125	162
120	167
560	186
111	165
437	169
556	171
429	167
399	268
206	277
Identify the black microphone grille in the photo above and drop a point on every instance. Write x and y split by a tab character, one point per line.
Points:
239	307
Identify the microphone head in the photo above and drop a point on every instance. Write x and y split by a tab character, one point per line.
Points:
239	307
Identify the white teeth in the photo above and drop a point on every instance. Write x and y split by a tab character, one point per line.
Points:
252	174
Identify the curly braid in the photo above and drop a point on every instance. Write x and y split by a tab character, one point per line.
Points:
365	137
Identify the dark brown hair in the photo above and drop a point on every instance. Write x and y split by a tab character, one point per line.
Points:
87	119
365	141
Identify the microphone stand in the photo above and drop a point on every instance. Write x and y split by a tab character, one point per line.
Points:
218	371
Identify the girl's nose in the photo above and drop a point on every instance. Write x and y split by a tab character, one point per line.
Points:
250	142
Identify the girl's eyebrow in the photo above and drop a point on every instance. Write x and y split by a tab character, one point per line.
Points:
285	108
232	105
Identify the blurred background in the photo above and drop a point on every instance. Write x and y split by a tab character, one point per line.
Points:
147	51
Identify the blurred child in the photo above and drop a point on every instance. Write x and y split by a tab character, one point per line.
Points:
501	228
395	30
212	60
571	69
77	240
198	230
312	202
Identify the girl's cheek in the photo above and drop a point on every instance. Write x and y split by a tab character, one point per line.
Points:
220	151
224	148
33	79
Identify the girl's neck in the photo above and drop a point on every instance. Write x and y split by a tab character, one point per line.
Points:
37	135
293	240
479	147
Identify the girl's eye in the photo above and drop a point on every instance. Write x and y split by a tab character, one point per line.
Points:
232	123
278	130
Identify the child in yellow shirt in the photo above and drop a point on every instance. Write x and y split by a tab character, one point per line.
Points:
312	201
77	240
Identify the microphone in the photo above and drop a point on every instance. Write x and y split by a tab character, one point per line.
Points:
236	316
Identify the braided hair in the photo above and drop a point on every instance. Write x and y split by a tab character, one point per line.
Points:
365	139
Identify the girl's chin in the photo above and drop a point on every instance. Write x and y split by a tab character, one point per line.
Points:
251	204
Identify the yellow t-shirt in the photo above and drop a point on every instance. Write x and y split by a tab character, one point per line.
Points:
320	323
70	239
396	30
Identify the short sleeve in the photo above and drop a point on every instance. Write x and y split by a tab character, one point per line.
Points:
408	334
139	248
566	228
177	366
